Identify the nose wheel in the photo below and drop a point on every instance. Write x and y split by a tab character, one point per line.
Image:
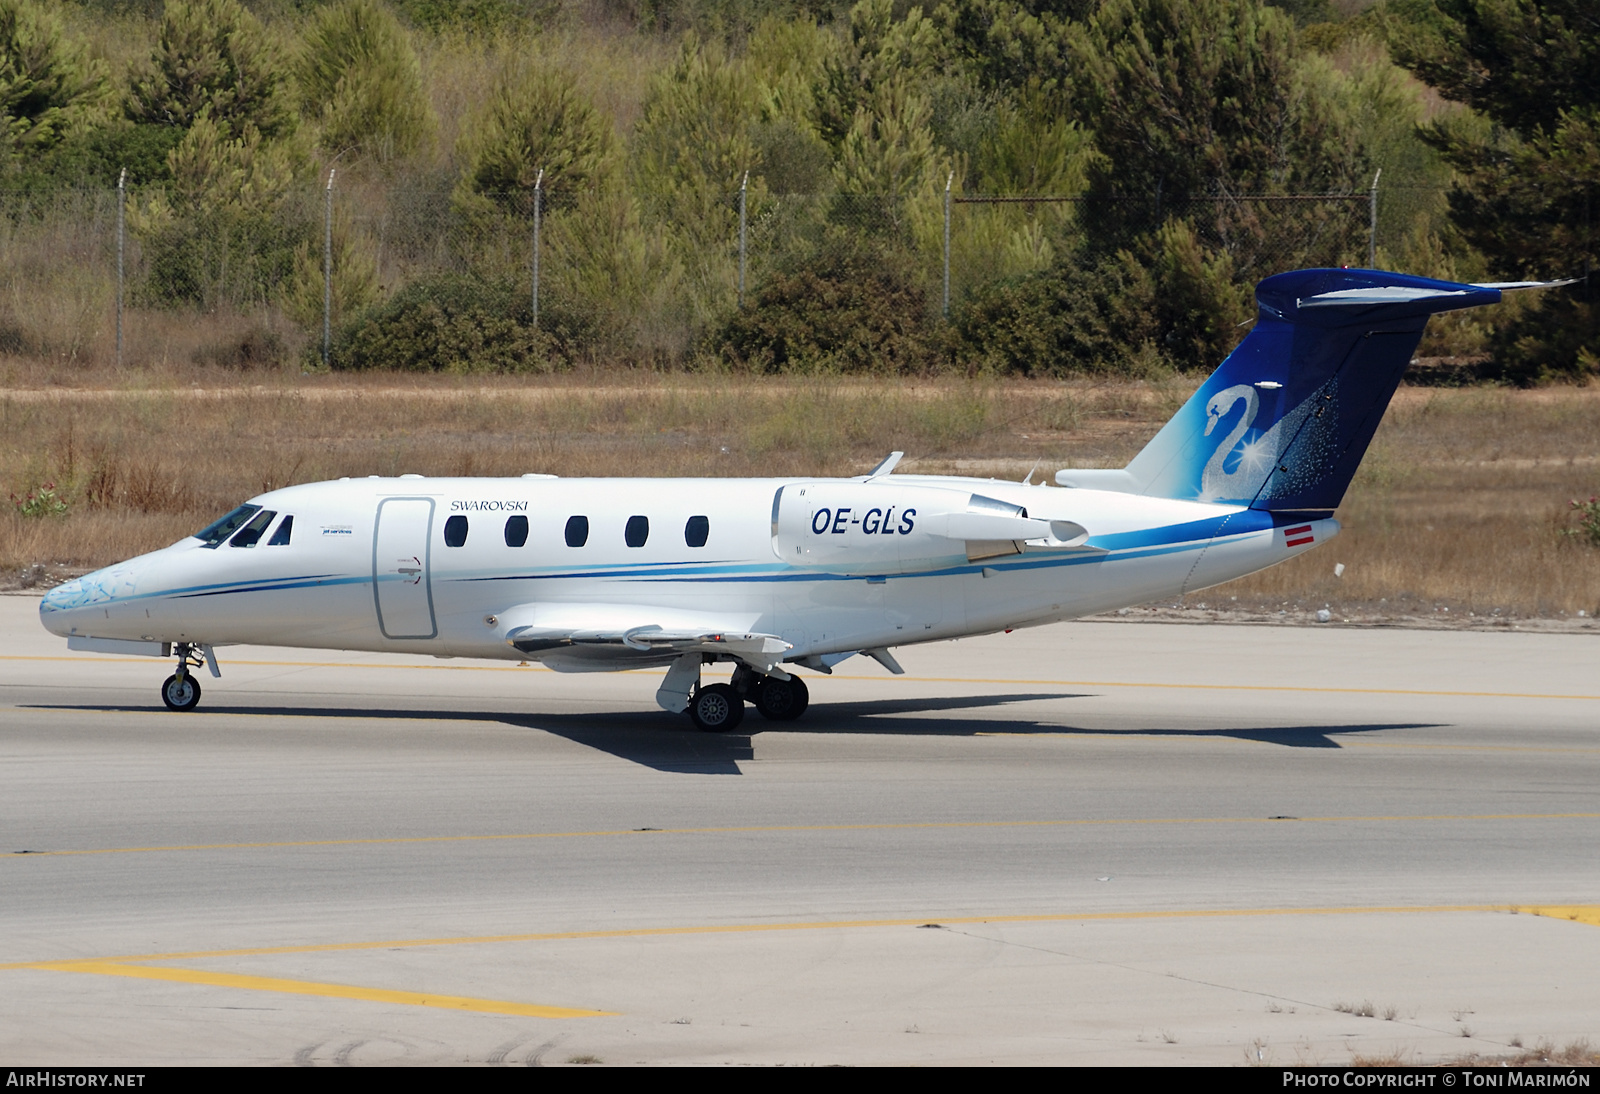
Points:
181	691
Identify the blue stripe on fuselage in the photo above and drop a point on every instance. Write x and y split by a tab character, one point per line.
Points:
1142	543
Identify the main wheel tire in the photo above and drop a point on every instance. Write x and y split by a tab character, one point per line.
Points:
716	708
181	692
782	700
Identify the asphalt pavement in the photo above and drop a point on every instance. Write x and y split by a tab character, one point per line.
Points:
1116	843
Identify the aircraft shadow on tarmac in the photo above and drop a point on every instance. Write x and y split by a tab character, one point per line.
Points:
667	742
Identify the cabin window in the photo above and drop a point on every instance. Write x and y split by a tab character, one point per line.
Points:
577	531
637	532
696	531
280	538
516	531
219	530
251	533
455	531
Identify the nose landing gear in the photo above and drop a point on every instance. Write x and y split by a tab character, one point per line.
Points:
181	691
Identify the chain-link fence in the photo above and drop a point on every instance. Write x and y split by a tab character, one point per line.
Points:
128	276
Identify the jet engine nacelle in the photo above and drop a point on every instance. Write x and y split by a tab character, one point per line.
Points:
881	527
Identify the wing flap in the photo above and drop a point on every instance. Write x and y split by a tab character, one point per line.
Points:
540	628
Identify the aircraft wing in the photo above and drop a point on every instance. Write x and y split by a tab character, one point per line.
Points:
627	631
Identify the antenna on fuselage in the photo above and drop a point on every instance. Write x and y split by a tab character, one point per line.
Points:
887	466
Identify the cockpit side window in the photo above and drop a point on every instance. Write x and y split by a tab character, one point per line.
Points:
251	533
213	534
280	538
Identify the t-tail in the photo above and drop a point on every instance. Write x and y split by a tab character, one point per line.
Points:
1283	423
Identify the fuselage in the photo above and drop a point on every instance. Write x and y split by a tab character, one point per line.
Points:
447	566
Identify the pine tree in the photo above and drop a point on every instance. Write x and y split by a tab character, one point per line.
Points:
212	56
360	76
535	120
1528	193
44	83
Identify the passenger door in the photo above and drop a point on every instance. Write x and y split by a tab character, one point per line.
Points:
401	586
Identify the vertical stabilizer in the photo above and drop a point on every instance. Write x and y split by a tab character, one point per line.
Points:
1283	423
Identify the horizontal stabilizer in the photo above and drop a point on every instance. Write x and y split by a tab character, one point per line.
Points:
1283	423
1512	286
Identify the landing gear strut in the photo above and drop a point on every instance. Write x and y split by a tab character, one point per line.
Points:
181	691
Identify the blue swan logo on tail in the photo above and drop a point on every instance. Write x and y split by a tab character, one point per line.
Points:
1282	425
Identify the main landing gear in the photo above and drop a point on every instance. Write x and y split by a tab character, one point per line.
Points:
719	708
181	691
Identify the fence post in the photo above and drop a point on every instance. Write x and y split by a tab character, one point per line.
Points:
538	201
327	268
122	194
743	187
1372	229
944	308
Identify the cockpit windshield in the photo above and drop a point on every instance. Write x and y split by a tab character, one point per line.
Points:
216	533
251	533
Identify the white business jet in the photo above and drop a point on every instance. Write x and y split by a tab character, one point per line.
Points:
776	575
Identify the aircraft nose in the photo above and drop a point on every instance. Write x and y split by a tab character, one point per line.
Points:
67	606
58	608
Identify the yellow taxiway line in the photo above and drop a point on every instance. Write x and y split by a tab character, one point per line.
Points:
138	966
311	987
1583	913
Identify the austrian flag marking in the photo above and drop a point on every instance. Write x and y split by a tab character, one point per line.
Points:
1294	537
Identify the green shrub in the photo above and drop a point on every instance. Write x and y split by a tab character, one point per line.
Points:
1199	303
97	157
455	324
1071	319
481	16
857	313
1587	516
43	501
224	230
1558	338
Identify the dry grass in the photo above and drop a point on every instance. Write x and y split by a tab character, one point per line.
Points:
1458	505
1577	1053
